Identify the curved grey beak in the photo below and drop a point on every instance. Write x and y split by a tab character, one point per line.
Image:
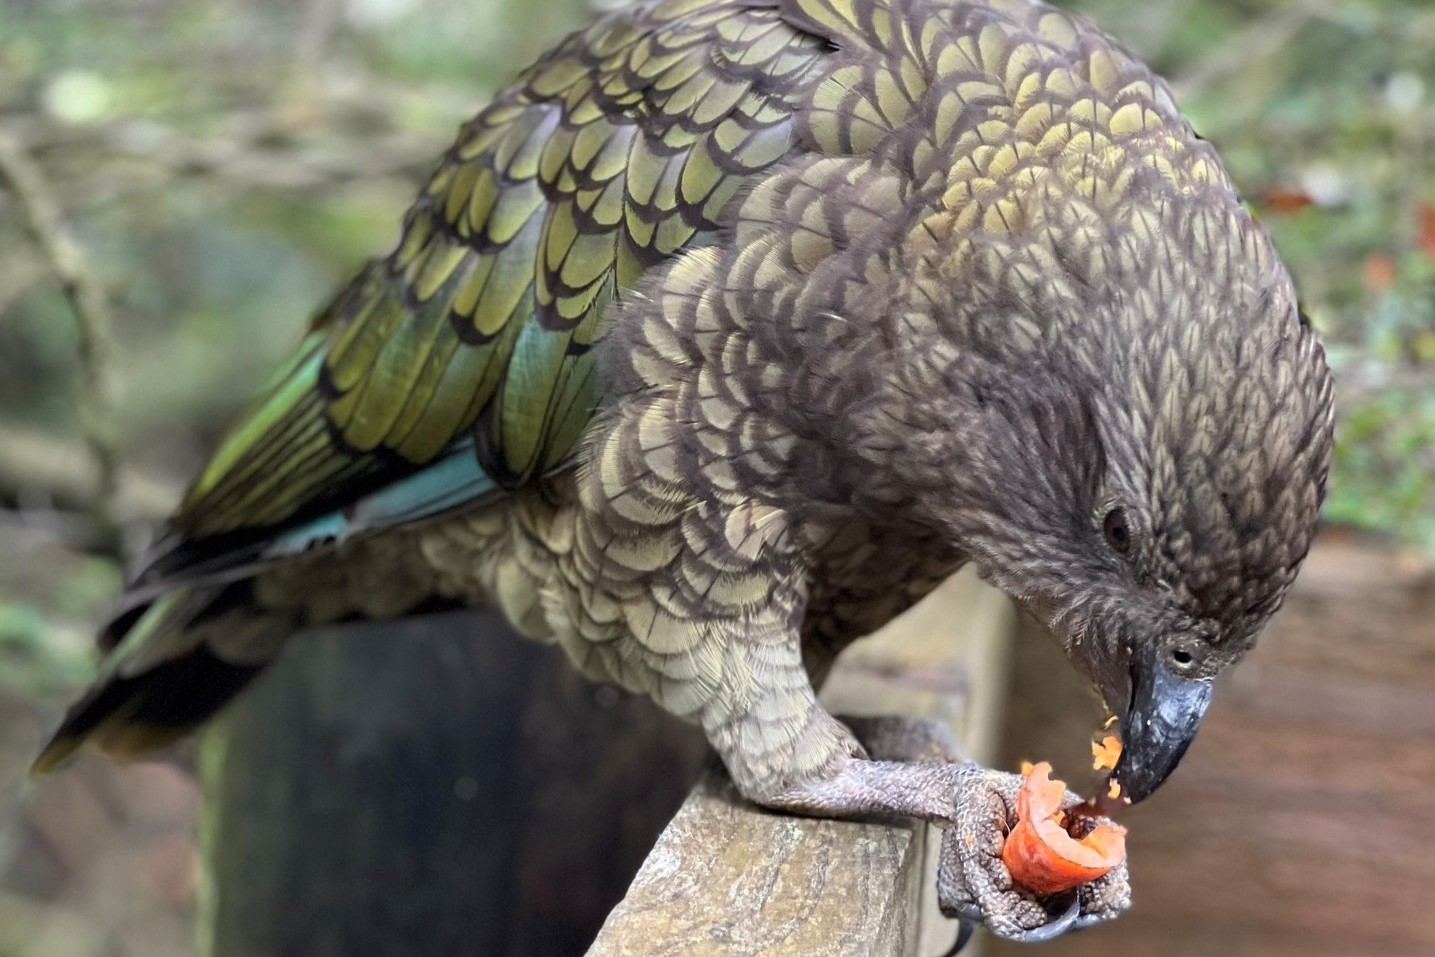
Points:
1162	720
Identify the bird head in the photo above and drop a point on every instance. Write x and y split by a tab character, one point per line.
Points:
1126	422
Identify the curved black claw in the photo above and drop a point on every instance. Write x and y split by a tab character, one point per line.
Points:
1088	920
965	929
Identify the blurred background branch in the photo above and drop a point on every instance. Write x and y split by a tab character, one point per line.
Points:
1264	36
44	222
33	464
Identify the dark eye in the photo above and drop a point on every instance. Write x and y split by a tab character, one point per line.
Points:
1118	533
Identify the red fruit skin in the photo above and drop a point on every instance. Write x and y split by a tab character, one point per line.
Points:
1039	869
1037	850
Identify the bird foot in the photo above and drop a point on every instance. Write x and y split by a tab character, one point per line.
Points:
974	885
909	769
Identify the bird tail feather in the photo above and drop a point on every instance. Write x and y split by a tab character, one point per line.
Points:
176	660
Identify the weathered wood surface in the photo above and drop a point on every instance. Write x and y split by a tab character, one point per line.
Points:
1299	824
727	878
438	786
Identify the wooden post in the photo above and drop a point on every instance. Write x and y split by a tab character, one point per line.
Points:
435	786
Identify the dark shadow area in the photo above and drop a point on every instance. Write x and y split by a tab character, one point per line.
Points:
435	786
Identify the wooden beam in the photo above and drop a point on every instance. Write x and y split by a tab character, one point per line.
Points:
728	878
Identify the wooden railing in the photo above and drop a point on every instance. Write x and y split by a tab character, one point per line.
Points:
728	878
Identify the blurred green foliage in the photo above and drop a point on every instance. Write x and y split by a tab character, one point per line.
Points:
227	163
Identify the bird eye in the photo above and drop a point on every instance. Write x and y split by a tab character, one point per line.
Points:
1118	533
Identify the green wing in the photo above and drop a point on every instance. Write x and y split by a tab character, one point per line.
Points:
461	365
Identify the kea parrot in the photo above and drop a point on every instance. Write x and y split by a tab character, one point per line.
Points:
729	330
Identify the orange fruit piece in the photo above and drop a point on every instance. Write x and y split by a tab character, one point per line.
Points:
1042	855
1105	753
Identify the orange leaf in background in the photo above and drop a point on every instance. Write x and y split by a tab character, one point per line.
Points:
1427	228
1041	855
1379	271
1284	199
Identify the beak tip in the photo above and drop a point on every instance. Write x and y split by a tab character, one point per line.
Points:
1137	785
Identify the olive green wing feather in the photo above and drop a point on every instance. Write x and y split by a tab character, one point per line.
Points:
460	365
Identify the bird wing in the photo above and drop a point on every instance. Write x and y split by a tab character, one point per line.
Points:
460	366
